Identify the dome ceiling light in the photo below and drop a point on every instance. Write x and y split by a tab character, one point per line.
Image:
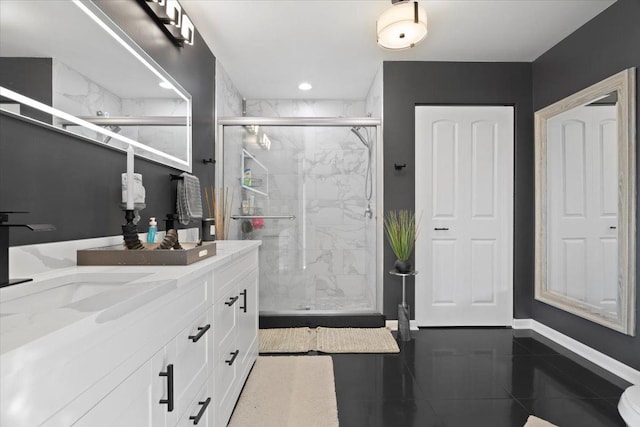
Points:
402	26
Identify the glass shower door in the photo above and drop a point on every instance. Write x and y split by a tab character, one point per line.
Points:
300	190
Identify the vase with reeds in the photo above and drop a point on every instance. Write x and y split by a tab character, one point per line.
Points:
218	203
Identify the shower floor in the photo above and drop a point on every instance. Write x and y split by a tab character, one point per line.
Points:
338	304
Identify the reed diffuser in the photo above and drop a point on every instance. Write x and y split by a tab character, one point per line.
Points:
219	202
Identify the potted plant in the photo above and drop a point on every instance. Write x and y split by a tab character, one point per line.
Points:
401	229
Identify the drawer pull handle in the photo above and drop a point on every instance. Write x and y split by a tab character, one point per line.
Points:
196	418
244	306
233	357
169	399
202	330
232	301
441	229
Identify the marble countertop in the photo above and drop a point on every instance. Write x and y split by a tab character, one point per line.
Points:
75	299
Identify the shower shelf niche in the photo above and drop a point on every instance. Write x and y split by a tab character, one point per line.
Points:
258	182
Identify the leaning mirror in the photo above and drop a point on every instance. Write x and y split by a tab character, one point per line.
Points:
66	64
586	203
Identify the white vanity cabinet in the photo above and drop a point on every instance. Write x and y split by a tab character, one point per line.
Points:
159	392
236	326
178	358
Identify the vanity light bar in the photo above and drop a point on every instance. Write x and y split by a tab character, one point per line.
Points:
170	16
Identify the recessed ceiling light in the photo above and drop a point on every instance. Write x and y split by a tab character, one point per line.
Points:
305	86
165	85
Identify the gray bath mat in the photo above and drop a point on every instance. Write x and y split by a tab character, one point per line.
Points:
328	340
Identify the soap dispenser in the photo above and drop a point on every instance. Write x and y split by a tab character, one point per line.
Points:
153	230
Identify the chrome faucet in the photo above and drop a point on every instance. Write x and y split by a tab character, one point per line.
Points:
368	212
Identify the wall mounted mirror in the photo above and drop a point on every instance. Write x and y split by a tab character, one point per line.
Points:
66	64
586	203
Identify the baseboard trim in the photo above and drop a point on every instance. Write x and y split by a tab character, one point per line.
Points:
393	325
606	362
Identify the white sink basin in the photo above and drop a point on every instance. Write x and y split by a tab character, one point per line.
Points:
83	292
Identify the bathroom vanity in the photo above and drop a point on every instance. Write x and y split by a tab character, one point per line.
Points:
131	346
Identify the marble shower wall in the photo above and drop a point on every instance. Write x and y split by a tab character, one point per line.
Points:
229	104
319	260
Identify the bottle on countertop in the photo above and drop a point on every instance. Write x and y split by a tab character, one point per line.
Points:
153	230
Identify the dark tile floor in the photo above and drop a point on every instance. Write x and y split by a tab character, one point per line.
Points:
474	377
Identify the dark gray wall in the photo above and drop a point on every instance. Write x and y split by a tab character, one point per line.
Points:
407	84
604	46
30	77
74	184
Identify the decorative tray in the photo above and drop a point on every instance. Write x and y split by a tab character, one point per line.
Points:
119	255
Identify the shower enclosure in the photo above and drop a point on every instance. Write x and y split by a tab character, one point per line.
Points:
307	187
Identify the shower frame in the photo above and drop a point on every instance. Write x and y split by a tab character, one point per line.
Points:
319	122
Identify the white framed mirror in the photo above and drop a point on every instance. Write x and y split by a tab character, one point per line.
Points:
585	165
66	64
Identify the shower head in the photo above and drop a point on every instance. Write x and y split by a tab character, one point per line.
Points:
356	131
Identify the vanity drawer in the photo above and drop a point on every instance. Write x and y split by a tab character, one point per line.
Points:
225	381
225	319
198	298
192	356
226	276
201	410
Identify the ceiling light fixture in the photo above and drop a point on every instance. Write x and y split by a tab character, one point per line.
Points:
305	86
402	26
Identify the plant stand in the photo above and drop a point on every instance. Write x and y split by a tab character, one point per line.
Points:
404	330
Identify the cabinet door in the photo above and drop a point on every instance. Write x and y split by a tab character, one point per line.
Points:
135	402
248	320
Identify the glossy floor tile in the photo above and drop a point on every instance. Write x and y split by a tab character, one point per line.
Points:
477	377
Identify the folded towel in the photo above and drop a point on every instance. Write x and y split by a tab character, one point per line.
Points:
189	199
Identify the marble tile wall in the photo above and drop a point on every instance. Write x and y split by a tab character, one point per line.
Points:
229	104
76	94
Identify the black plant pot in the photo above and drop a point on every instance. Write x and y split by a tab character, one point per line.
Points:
403	266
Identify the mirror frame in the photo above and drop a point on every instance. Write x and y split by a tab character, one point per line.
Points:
624	84
96	14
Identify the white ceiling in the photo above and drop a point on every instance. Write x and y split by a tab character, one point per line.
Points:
269	46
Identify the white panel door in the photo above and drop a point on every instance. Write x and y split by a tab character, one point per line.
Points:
582	207
464	193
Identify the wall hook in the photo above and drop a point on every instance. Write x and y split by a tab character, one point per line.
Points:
209	160
399	167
